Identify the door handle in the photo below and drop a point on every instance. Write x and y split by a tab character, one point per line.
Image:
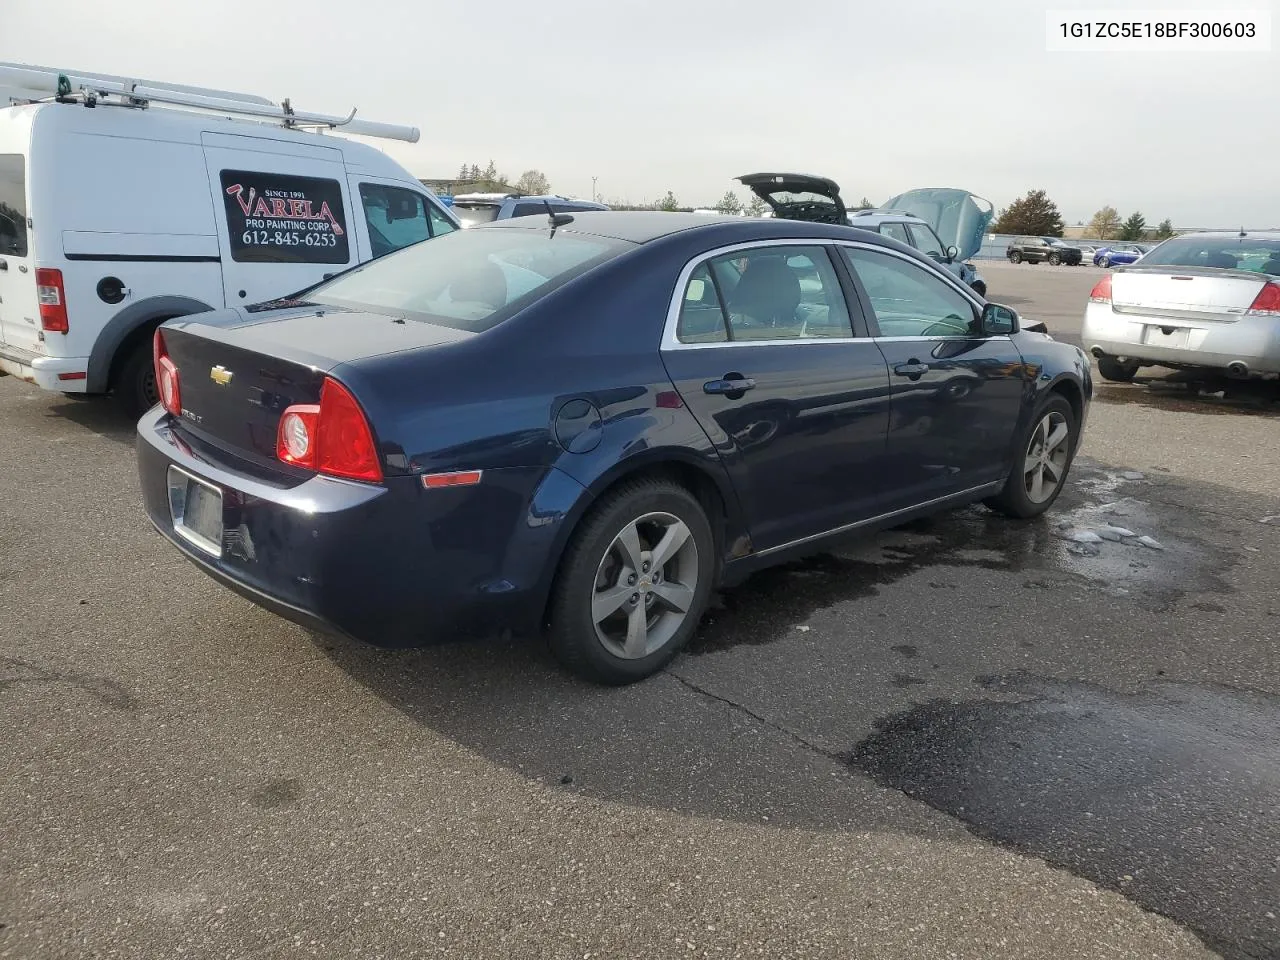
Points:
729	385
913	369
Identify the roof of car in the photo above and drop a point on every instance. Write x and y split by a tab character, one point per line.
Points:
642	226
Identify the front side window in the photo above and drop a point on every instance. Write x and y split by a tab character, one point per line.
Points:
470	279
282	218
769	293
396	218
13	205
908	300
926	241
440	224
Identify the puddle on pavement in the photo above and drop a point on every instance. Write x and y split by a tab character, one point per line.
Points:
1168	795
1049	551
1178	394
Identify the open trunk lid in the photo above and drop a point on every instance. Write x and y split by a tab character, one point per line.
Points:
1192	293
959	218
237	376
799	196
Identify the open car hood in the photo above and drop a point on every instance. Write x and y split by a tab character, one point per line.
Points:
958	217
799	196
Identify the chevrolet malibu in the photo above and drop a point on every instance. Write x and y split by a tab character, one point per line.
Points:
582	424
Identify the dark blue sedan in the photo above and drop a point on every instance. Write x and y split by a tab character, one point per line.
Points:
585	425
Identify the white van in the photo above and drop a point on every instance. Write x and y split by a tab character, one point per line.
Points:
124	204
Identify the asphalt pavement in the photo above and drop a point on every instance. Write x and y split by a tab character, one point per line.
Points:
963	738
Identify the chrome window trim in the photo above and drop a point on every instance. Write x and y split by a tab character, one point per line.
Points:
671	342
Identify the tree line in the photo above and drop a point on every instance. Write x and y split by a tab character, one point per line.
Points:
1036	215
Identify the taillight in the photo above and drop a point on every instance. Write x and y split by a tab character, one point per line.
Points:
53	300
1267	302
166	376
331	437
1101	292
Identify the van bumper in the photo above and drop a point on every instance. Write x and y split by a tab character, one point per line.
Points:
64	374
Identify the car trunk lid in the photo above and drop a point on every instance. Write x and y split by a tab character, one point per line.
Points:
799	196
237	376
1190	293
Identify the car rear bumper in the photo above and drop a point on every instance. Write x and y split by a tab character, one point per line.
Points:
391	564
1252	341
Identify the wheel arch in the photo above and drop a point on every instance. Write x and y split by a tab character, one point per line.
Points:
124	330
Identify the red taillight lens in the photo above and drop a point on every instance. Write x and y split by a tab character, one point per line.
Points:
332	437
1101	292
1267	302
53	300
166	376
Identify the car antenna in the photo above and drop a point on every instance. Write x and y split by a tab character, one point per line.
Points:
557	219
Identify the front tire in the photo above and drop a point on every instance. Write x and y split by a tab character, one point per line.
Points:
1044	458
1115	371
633	584
1055	259
980	288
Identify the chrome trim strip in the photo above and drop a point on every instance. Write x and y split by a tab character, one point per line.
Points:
849	527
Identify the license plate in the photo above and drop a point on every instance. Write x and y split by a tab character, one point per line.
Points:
1156	337
196	507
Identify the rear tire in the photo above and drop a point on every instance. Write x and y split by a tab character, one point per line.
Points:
1115	371
1015	257
1042	461
134	389
611	623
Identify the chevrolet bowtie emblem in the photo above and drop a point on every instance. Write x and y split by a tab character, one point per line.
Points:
221	375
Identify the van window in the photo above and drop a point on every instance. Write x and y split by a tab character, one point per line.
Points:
396	217
284	219
13	205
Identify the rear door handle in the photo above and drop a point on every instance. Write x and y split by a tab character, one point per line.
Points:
913	369
729	385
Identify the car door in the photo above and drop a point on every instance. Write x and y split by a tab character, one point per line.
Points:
393	216
955	393
282	215
762	347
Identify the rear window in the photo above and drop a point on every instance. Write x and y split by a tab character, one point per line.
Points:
474	213
470	279
1226	253
13	205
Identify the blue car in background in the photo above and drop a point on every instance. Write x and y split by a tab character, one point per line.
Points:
1118	254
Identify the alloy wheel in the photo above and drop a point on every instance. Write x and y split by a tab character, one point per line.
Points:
645	585
1048	451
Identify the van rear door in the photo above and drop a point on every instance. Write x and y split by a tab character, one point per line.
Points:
283	215
19	309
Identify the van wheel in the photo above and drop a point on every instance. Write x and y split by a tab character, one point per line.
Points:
135	386
633	584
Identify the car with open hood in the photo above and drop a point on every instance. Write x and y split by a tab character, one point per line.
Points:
919	218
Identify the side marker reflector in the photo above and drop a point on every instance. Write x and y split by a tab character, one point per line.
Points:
458	478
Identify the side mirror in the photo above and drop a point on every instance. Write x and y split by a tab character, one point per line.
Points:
953	252
997	319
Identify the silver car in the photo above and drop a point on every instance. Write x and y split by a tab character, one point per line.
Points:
1199	301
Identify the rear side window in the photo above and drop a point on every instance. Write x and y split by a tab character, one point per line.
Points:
396	218
925	241
13	205
770	293
896	230
470	279
284	219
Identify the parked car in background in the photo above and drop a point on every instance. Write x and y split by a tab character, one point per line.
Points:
1087	250
1203	300
590	422
477	208
1119	254
817	200
1042	250
126	205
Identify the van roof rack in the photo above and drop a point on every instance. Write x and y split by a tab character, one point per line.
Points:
74	86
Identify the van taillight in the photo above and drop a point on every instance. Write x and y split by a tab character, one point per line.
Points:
166	376
53	300
1101	292
1267	302
330	437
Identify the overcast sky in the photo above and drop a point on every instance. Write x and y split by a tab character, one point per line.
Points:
657	95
